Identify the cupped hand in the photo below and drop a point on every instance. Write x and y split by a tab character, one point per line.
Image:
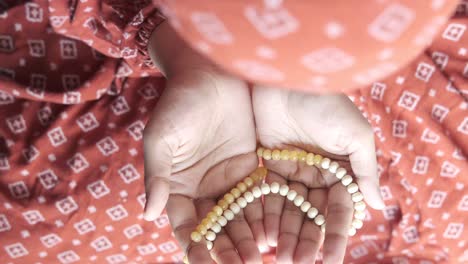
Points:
199	142
329	125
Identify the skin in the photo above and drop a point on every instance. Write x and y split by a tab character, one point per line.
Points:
329	125
201	140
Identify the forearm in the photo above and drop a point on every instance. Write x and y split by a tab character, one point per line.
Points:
172	55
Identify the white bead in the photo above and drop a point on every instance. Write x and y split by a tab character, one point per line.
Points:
319	220
249	197
357	196
322	227
359	215
291	195
209	245
352	231
284	189
312	213
222	221
298	200
333	167
242	202
265	188
235	208
210	236
256	192
216	227
359	206
274	187
357	223
325	163
305	206
228	214
340	173
352	188
346	180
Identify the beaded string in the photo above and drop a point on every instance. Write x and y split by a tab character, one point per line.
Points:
246	192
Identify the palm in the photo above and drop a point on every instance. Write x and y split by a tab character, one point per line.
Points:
327	125
199	143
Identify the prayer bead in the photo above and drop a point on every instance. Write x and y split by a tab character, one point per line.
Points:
293	155
359	206
333	167
285	154
340	173
359	215
357	223
291	195
212	216
228	214
274	187
319	220
222	221
305	206
218	210
229	198
256	192
298	200
216	228
351	231
248	181
310	159
265	189
235	208
236	192
317	159
242	202
242	187
201	229
223	204
284	189
267	154
325	163
249	197
276	154
312	213
195	236
302	156
210	236
352	188
346	180
260	152
357	197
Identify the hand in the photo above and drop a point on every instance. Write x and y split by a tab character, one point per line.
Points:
329	125
199	142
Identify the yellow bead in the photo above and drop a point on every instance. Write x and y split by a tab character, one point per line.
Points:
218	210
223	204
229	198
262	171
185	260
317	159
201	229
293	155
276	154
248	181
302	156
236	192
310	159
207	223
195	236
267	154
242	187
260	152
284	154
212	216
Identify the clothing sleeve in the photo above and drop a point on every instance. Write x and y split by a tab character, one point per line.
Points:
313	46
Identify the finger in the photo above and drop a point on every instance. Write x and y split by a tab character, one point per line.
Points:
254	216
290	227
311	237
364	164
158	163
183	217
273	208
223	250
242	237
339	216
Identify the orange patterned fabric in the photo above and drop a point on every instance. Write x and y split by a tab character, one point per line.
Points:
76	90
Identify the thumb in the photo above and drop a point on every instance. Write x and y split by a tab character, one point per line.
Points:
158	164
364	164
